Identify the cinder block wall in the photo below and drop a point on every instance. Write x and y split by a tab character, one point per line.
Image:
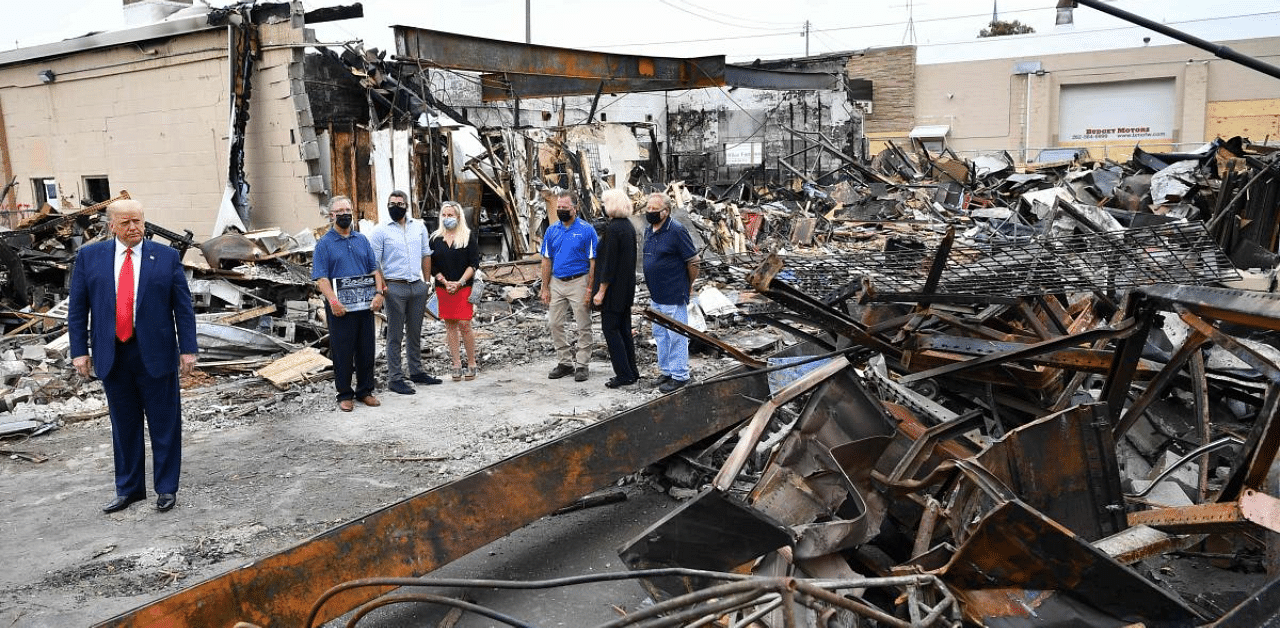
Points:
154	120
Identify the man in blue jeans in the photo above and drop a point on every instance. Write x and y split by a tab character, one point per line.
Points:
670	268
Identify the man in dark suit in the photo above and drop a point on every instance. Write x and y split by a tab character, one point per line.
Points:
131	306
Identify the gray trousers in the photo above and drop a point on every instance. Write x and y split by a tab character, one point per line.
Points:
405	304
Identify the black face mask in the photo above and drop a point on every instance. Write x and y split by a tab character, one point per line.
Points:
397	212
343	221
654	218
563	215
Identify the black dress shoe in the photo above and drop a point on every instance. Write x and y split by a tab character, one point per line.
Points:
662	380
401	387
615	382
423	378
165	502
673	385
121	502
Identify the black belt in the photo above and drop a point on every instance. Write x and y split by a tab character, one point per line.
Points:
570	277
402	280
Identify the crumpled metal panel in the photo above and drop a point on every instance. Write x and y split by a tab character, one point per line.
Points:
712	532
1021	569
1063	465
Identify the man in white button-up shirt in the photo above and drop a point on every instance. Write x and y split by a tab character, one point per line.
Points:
401	246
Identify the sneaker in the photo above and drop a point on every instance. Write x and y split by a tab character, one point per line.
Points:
401	386
672	385
423	378
560	371
580	374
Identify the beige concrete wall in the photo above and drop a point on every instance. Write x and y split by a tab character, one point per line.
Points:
986	104
154	119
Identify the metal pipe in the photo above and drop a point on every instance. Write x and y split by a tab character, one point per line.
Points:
1218	50
1203	449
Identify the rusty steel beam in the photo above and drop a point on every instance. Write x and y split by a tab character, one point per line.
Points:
428	530
689	332
815	311
461	52
1122	330
1074	358
505	85
1243	307
1255	508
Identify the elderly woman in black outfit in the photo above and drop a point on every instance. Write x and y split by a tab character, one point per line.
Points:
615	288
455	258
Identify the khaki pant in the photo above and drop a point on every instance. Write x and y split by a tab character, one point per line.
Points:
565	296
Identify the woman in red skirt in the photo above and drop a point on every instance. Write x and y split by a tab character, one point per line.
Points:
455	258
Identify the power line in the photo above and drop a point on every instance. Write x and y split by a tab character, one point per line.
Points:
790	30
710	11
903	23
712	19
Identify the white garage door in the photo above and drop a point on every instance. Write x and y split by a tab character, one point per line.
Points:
1114	111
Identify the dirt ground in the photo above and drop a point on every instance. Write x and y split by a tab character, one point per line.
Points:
257	484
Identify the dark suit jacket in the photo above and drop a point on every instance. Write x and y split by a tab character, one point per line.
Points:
164	322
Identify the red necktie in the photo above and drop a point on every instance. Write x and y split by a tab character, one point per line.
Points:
124	299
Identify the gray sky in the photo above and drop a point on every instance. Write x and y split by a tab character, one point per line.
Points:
740	29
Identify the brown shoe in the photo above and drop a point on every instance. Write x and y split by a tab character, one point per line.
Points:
346	405
370	400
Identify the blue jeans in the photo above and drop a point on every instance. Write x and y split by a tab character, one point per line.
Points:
673	349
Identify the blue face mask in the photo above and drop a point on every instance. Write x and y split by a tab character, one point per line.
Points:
450	223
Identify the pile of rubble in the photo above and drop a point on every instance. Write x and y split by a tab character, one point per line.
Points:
1231	186
999	422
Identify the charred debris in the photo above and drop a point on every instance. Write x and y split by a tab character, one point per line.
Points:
1011	387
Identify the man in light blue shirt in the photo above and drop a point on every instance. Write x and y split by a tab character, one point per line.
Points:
568	266
403	252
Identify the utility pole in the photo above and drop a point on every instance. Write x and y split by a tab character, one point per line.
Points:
528	23
806	38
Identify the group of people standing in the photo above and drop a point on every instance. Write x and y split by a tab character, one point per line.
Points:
390	268
580	270
361	275
130	304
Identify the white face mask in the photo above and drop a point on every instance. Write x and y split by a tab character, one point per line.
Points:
450	223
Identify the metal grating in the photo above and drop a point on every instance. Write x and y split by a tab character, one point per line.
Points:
1178	253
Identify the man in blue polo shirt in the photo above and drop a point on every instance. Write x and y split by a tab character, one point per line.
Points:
670	268
347	274
568	265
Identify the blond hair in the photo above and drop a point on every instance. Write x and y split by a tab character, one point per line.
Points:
616	203
461	234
